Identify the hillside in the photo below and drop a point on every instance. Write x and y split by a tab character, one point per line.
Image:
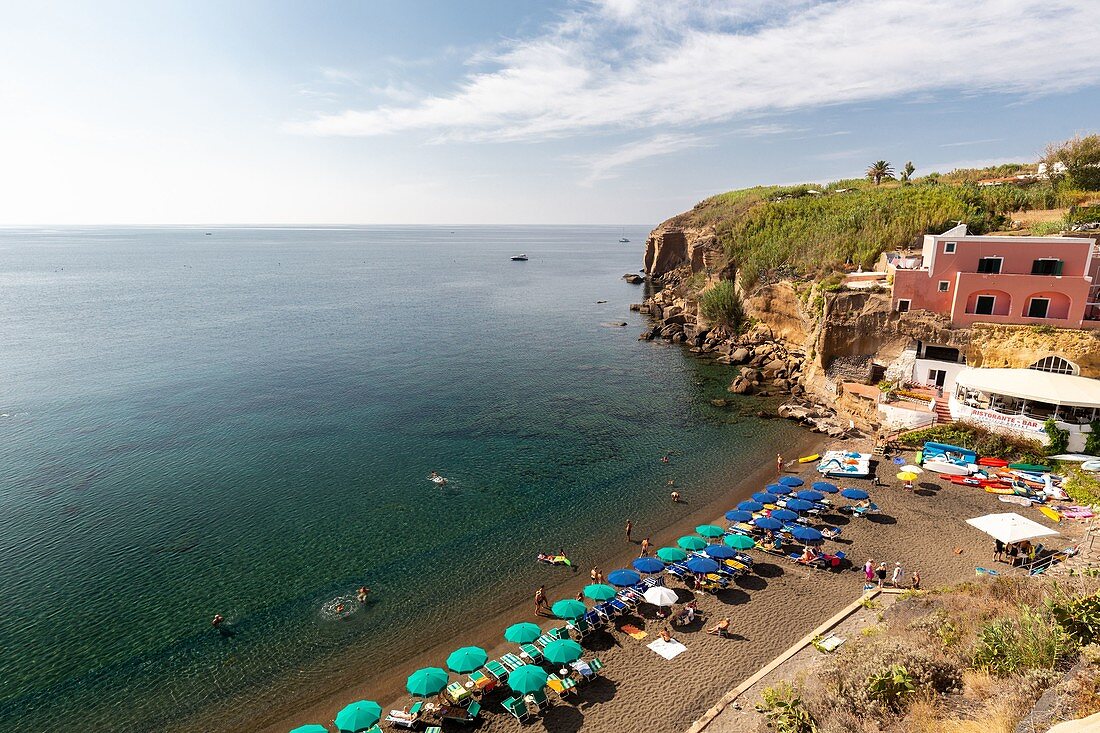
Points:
772	233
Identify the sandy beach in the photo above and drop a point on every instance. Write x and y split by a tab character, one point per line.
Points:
769	609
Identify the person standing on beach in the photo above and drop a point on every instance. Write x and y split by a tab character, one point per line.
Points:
593	575
998	550
778	463
540	601
645	547
869	570
915	585
899	574
880	573
629	528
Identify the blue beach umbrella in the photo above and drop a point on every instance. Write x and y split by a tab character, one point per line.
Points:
648	565
856	494
463	661
702	565
807	535
690	542
810	495
720	552
311	728
736	515
750	506
623	578
778	489
825	486
569	608
360	715
798	505
791	481
784	515
765	498
767	523
522	633
740	541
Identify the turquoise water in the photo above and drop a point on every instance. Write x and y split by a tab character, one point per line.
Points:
243	423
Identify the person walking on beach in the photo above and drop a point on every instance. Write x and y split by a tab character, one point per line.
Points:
778	463
594	575
899	574
869	570
629	529
540	601
915	585
880	573
645	547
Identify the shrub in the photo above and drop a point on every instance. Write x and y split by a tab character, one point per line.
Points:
1079	616
1059	438
1092	440
978	439
891	686
783	708
721	305
1030	640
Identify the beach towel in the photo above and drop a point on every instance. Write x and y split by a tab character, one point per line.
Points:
634	631
667	649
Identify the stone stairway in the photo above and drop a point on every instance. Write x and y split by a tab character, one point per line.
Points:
943	412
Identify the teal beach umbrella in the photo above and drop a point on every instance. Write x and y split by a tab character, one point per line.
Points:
527	678
562	651
522	633
710	530
358	716
466	659
599	592
311	728
426	682
569	609
671	554
688	542
740	542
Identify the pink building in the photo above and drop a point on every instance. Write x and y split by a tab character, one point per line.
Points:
1017	280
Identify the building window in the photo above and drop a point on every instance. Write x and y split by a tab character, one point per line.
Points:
1037	308
1055	364
903	305
990	265
985	304
949	247
944	285
1046	266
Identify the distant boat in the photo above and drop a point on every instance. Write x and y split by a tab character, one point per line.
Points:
623	237
519	258
208	234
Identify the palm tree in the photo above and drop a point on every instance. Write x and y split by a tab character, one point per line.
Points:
907	171
880	171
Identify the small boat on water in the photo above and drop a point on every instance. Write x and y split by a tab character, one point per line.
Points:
622	237
519	258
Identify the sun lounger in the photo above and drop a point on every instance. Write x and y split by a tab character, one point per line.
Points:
433	729
474	708
561	686
517	707
374	729
581	628
596	665
539	698
483	681
863	511
458	693
620	607
533	652
606	612
497	669
512	661
401	719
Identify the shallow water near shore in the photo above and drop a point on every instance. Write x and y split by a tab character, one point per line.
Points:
243	423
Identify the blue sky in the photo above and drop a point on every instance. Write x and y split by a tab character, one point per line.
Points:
619	111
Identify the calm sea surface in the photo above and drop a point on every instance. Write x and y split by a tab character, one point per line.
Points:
243	423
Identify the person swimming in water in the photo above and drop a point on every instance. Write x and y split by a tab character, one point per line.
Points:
361	595
218	620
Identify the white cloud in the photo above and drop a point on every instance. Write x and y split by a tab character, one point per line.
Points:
605	166
966	143
639	64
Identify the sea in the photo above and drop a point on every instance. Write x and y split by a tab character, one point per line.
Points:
242	421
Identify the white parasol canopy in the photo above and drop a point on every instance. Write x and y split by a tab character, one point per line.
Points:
1010	527
660	596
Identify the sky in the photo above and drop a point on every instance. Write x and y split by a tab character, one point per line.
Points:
511	112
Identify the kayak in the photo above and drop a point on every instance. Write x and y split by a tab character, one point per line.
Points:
1073	457
1029	467
1017	500
999	490
1050	513
809	459
951	469
1093	465
992	461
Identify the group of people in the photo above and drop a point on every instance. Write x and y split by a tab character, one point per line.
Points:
878	574
1013	552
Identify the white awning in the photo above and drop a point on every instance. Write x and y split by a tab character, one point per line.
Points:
1031	384
1010	527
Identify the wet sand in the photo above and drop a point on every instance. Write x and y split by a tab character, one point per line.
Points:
769	610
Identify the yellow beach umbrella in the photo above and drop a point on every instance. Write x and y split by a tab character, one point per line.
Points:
907	476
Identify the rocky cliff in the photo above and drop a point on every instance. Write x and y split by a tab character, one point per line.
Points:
1021	346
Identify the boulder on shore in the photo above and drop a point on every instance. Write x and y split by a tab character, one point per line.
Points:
633	279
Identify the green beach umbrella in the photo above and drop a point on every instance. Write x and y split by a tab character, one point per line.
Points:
527	678
671	554
710	530
358	716
740	542
569	609
562	651
311	728
466	659
689	542
599	592
426	682
522	633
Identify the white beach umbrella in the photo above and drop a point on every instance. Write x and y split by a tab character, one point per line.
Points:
912	469
1010	527
660	596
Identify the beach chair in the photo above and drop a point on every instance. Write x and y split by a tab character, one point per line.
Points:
400	719
677	570
474	708
497	669
483	681
374	729
864	511
596	666
539	698
620	607
433	729
517	707
606	612
580	627
512	661
561	686
533	652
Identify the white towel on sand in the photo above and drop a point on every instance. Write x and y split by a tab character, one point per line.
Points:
667	649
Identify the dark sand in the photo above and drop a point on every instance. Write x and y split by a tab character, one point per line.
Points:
769	610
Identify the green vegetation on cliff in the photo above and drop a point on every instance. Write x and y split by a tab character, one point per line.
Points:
810	230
